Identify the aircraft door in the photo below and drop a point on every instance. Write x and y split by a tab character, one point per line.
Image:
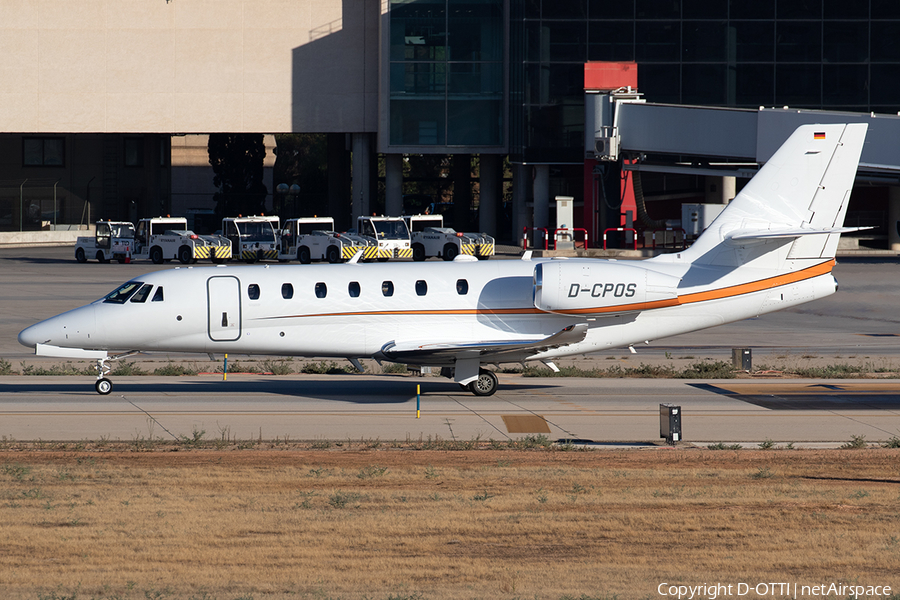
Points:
224	293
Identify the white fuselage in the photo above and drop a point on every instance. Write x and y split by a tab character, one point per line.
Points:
275	309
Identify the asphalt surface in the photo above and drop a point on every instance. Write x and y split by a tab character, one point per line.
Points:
384	407
858	325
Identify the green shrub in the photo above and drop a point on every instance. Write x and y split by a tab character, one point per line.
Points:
325	368
856	442
125	369
278	367
174	370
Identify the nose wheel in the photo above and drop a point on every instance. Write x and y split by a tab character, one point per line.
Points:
103	386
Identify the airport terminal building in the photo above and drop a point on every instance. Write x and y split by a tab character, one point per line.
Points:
106	103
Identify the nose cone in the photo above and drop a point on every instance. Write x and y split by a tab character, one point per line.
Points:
69	330
36	334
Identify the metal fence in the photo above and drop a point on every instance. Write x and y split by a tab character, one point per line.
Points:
35	204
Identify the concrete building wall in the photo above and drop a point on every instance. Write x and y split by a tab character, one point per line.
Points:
188	66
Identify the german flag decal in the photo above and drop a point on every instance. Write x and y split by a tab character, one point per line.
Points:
819	135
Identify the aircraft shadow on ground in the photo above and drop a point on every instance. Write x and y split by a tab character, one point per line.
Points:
371	391
834	399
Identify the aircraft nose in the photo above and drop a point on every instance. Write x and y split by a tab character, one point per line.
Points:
70	329
38	333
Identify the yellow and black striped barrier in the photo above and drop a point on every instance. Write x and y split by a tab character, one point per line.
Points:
369	252
477	249
251	255
220	252
395	253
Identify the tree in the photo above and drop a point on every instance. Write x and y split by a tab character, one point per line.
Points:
237	161
302	159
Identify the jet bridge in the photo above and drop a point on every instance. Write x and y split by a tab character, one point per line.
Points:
625	133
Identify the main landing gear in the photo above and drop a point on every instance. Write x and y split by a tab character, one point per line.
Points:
485	385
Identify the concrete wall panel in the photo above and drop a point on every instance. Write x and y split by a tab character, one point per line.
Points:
139	66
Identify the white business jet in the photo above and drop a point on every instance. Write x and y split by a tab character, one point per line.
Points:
771	248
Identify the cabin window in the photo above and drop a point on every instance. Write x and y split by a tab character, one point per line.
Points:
123	292
462	287
387	288
253	291
321	290
141	295
353	289
158	296
287	291
421	287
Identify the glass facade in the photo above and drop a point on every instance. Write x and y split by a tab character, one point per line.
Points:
818	54
446	72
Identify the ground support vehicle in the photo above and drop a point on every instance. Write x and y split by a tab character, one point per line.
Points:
112	240
313	238
391	233
252	238
429	237
166	238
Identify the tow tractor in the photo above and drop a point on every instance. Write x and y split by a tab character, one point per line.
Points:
167	238
252	238
429	237
391	233
314	238
112	240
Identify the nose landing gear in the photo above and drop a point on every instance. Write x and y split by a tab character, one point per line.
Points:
104	384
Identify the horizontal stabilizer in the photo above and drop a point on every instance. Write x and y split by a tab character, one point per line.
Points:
766	234
441	352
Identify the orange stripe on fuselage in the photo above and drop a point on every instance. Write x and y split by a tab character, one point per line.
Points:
758	286
717	294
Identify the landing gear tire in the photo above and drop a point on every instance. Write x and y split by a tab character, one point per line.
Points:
485	385
103	386
79	255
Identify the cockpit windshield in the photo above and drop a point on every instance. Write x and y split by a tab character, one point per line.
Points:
122	293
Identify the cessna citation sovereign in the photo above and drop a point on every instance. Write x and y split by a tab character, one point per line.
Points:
771	248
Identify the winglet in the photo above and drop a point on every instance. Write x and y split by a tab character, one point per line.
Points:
355	258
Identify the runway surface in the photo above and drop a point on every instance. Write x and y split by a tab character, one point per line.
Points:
383	407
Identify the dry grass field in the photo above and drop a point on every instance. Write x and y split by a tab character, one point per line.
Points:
290	521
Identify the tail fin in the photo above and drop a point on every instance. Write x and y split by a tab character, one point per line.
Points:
796	202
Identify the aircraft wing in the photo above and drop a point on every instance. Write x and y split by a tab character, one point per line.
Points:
487	351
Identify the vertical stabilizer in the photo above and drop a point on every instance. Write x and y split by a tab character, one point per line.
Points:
796	202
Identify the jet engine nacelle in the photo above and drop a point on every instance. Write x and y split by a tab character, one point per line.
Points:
595	287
